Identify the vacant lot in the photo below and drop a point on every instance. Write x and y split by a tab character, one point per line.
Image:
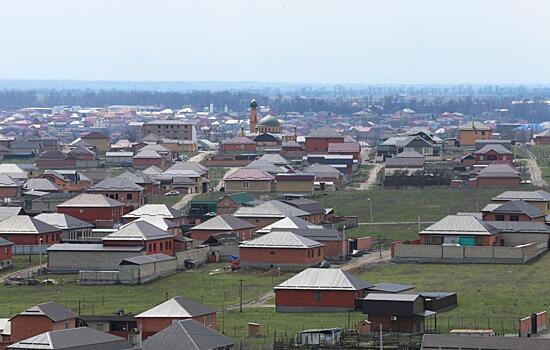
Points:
387	232
542	153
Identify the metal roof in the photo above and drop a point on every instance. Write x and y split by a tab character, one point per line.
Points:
24	224
390	287
7	212
249	174
324	133
70	247
152	210
498	148
115	184
531	196
323	170
189	335
87	200
138	231
147	154
306	204
289	223
270	209
460	224
281	239
520	226
519	207
391	297
495	170
41	184
146	259
475	342
321	234
224	222
160	222
54	311
62	221
324	279
6	181
474	125
177	307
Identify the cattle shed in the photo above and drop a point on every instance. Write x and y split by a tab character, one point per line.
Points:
144	268
439	301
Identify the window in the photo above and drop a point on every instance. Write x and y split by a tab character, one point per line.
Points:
499	218
317	295
483	133
246	184
81	210
208	320
318	251
482	157
116	195
67	325
272	252
514	218
160	245
434	240
129	196
155	247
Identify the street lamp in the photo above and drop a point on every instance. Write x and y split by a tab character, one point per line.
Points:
371	216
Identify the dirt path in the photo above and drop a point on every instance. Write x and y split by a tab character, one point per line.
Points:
200	156
228	172
22	273
534	170
371	181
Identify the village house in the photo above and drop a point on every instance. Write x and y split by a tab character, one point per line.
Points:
238	145
281	249
319	290
69	180
317	212
41	318
177	308
119	158
24	230
222	223
97	209
539	198
406	162
515	210
170	129
14	171
336	246
493	153
80	338
120	189
343	162
494	175
288	223
543	138
8	187
294	183
472	131
325	176
348	148
250	180
269	212
398	144
187	334
150	186
42	185
292	150
72	229
143	234
146	158
318	140
162	223
465	230
6	253
99	141
155	210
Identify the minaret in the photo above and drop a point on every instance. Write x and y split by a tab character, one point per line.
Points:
253	116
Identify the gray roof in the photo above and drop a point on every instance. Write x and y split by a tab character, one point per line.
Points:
324	133
6	181
281	239
323	170
224	222
289	223
115	184
13	170
409	154
138	231
391	297
266	166
498	148
520	226
473	342
413	162
151	210
82	338
62	221
324	279
70	247
189	335
391	287
146	259
90	200
519	207
24	224
153	170
195	166
41	184
460	224
160	222
530	196
177	307
274	158
7	212
270	209
136	177
474	125
306	204
147	154
494	170
320	234
54	311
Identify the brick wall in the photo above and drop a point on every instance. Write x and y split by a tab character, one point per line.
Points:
150	326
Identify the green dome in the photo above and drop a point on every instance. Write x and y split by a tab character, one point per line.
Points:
269	120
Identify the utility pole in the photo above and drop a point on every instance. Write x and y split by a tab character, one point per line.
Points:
380	244
241	296
381	338
370	205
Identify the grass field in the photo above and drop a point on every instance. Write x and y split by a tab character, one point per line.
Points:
215	175
542	153
162	199
387	232
21	262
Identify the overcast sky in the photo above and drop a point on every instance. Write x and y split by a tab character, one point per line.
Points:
338	41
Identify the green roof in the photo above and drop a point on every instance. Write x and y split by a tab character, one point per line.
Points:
242	197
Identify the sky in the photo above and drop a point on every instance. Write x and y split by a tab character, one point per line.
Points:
298	41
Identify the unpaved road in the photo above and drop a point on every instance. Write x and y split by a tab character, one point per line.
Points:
371	181
22	273
536	174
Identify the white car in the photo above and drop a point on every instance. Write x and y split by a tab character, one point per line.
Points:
172	193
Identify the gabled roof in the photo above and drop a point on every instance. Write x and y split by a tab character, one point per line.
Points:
195	166
323	170
136	178
189	335
26	225
518	207
344	147
460	224
520	226
306	204
153	170
62	221
95	135
177	307
6	212
138	231
288	224
155	210
147	154
13	170
81	150
495	170
52	310
41	184
115	184
241	197
248	174
281	239
324	279
409	154
500	149
530	196
270	209
452	342
6	181
222	238
238	140
87	200
324	133
266	166
156	147
224	222
318	234
160	222
474	125
73	338
274	158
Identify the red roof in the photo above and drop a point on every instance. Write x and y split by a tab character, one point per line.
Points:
344	147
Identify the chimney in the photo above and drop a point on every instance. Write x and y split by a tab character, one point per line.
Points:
295	133
242	130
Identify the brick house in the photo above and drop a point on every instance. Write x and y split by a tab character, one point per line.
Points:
269	212
146	158
222	223
317	212
101	142
150	186
472	131
515	210
539	198
493	153
42	185
281	249
8	187
82	153
155	210
294	183
41	318
55	160
349	148
120	189
325	175
465	230
6	253
72	229
336	246
318	141
238	145
69	180
289	223
163	315
250	180
26	230
543	138
320	290
142	233
496	175
94	208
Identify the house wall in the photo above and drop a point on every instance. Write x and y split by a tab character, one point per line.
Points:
26	239
142	163
544	206
253	186
280	257
260	222
484	158
152	325
542	140
334	249
305	300
170	131
74	261
404	324
497	182
240	148
469	137
521	217
23	326
320	145
164	246
100	216
515	239
135	201
226	206
9	192
101	145
294	186
134	274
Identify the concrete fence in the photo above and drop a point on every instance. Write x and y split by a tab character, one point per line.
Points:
199	256
408	253
30	249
